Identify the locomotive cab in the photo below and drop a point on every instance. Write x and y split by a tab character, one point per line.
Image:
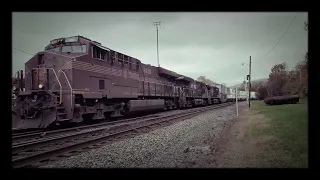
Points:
47	83
71	46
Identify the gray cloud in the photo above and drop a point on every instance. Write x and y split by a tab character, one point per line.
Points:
194	44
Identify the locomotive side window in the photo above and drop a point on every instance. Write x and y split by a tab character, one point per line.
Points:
113	57
126	60
130	63
137	66
99	53
120	59
96	52
133	64
103	54
101	84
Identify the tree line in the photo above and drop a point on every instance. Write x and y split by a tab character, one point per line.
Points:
282	81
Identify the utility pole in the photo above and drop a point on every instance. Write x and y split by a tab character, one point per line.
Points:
246	89
246	85
157	24
250	81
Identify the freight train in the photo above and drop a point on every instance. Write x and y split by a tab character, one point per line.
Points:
76	79
242	95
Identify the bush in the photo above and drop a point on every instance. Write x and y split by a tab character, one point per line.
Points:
262	92
277	100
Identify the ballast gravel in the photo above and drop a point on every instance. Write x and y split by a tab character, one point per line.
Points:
189	143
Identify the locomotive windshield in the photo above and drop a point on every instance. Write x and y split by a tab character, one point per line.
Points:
71	39
69	49
65	45
74	49
66	40
57	49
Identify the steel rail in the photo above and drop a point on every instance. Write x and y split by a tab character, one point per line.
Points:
21	162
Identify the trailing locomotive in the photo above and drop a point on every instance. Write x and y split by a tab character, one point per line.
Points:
76	79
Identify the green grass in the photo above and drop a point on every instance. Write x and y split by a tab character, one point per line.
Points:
289	124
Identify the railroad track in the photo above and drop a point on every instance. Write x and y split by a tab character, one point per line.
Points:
18	133
27	137
22	138
39	151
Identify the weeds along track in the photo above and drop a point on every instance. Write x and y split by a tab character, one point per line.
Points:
67	142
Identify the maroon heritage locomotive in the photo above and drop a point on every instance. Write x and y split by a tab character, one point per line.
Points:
76	78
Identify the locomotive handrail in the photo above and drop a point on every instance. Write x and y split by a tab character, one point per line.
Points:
57	80
69	86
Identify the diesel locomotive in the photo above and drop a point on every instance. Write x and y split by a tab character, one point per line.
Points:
76	79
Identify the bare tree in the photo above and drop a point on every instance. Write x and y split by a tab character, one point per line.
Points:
277	79
262	92
242	86
255	85
283	82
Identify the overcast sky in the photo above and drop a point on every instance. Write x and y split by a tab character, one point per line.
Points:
210	44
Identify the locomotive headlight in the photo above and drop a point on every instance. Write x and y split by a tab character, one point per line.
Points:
40	86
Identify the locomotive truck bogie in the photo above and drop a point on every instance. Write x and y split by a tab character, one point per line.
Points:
96	109
171	103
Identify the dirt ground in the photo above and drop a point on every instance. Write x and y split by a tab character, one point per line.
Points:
239	148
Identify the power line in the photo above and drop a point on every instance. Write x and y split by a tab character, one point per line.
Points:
23	51
281	36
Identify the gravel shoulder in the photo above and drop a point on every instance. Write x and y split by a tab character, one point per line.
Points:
241	148
189	143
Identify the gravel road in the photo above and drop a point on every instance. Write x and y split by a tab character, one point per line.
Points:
189	143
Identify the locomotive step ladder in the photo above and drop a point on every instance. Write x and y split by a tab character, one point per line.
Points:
60	109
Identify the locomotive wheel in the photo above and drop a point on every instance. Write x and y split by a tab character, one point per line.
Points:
174	106
87	117
107	114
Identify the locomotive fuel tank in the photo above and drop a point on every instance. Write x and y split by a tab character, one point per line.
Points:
144	105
